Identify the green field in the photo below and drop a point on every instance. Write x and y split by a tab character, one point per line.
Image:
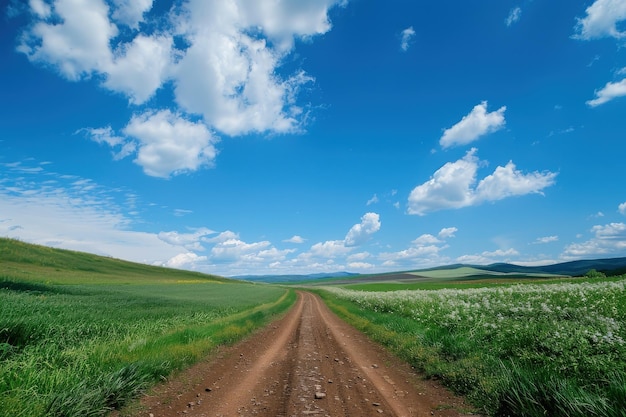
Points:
551	349
81	335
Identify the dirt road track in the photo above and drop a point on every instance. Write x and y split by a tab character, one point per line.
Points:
309	363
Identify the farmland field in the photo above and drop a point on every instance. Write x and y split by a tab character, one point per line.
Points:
554	349
107	329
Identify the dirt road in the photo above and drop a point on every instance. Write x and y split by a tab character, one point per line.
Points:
310	363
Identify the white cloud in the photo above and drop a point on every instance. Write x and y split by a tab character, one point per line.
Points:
610	231
226	65
452	186
360	266
74	38
546	239
601	20
609	92
474	125
190	241
229	73
223	237
40	8
234	250
622	208
372	200
426	239
487	257
165	143
188	260
447	232
104	135
514	16
75	213
140	67
355	257
449	187
413	257
359	233
130	12
507	181
328	249
609	239
407	35
423	252
294	239
182	212
356	236
168	144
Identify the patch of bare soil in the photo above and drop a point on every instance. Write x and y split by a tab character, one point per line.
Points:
309	363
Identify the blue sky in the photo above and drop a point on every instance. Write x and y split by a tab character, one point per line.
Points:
244	137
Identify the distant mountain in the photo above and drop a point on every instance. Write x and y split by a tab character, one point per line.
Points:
294	278
611	266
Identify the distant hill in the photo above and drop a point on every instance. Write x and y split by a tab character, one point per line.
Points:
612	266
21	260
294	278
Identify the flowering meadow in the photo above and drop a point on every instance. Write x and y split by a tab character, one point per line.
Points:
554	349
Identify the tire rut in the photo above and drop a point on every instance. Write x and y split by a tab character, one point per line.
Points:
309	363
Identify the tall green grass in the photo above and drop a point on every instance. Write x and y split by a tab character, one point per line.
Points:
84	350
81	335
523	350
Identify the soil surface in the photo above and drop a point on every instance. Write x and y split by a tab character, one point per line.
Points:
309	363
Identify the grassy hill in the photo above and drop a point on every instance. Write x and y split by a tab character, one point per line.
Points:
81	335
59	266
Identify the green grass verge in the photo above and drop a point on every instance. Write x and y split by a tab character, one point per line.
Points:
525	350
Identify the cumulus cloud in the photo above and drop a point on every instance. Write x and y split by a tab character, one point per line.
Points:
622	208
140	67
356	236
546	239
488	257
454	185
609	239
295	239
72	36
130	12
188	260
514	16
425	239
424	251
601	20
168	144
407	35
474	125
361	256
359	233
235	249
412	257
225	66
190	241
329	249
447	232
610	91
